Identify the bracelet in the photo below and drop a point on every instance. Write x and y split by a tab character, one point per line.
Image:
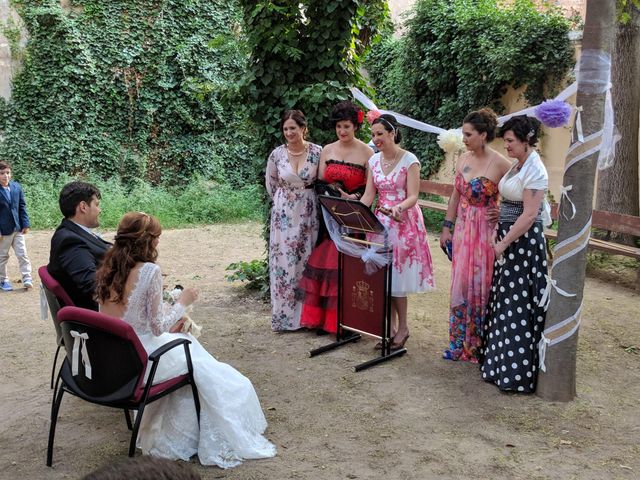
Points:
447	224
400	209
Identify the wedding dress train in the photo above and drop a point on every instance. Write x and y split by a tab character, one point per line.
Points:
231	419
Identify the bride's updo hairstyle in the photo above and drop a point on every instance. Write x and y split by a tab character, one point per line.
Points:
133	243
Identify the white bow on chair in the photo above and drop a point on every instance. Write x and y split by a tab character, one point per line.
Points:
80	346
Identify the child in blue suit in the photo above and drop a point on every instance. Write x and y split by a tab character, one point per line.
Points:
14	224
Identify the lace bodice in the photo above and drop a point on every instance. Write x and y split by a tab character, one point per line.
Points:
146	312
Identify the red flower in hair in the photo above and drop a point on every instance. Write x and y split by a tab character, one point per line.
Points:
360	116
372	115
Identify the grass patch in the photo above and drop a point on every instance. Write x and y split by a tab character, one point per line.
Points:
197	203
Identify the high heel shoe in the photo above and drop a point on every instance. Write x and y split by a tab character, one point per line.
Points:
378	346
397	345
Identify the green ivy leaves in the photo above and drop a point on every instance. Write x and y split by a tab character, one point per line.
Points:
460	55
131	89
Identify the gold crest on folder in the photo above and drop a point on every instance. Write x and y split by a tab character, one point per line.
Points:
362	296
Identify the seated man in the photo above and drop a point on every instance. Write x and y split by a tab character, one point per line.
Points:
75	249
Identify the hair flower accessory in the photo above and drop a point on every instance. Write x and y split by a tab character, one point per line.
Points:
553	113
360	116
451	141
372	115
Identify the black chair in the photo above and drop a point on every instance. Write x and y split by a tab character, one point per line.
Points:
56	299
106	364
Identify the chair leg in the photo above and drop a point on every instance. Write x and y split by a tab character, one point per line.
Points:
55	360
55	387
136	426
128	417
196	399
55	407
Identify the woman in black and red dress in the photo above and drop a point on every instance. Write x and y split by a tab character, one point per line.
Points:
342	172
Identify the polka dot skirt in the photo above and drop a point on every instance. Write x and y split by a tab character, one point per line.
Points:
514	321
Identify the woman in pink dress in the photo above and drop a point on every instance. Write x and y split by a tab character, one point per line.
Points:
476	190
394	174
342	172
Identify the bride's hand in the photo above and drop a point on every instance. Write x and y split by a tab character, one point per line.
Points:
188	296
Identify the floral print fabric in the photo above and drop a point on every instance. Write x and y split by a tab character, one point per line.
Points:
472	267
294	229
412	268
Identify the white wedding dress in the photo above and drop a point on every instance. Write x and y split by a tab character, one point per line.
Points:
231	419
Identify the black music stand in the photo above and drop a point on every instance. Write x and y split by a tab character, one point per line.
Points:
364	299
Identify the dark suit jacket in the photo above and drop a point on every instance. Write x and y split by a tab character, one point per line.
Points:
13	215
73	261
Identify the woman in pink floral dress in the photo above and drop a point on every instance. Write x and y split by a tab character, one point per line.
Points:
394	174
291	172
476	191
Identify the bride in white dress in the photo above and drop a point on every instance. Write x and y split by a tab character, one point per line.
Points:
129	286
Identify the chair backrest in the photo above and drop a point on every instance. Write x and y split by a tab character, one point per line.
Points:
56	297
117	358
51	284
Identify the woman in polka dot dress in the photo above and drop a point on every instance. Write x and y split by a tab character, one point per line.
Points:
515	316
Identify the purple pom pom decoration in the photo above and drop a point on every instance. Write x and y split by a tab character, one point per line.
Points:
554	113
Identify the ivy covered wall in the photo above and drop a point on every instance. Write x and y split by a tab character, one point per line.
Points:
460	55
127	88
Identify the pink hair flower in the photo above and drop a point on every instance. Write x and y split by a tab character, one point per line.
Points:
372	115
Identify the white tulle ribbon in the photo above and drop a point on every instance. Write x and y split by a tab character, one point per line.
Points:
402	119
564	194
80	348
594	78
44	305
374	257
579	131
556	334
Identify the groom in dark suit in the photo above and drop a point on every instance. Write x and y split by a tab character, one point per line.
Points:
75	250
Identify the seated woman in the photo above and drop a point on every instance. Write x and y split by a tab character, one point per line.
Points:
129	286
342	172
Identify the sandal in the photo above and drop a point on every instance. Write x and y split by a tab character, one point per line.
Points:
398	345
447	355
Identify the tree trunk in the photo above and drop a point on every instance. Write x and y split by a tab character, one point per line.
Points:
618	185
558	383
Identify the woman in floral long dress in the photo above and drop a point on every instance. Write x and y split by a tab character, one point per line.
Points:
291	173
476	190
394	174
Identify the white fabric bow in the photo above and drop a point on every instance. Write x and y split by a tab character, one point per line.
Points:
545	301
80	346
564	193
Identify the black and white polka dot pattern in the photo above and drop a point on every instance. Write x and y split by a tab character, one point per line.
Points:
514	320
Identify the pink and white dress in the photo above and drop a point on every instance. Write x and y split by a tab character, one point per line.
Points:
412	268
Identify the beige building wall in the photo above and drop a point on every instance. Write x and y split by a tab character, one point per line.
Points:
552	147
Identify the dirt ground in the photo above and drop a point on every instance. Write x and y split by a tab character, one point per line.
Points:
416	417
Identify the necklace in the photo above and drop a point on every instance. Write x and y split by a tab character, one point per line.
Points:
386	164
297	154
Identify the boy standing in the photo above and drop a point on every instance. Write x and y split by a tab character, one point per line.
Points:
14	224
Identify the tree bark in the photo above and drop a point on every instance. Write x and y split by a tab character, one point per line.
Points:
559	381
618	185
